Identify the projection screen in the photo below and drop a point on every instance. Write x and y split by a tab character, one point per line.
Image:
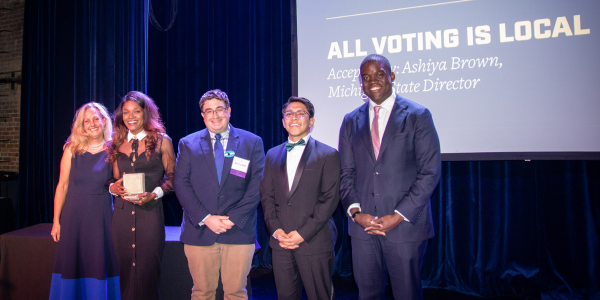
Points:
503	79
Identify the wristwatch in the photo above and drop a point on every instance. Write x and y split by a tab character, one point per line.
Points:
354	215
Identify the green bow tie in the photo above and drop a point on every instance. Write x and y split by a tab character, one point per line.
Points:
289	146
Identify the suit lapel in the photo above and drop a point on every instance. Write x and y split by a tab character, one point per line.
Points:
364	129
207	153
397	117
232	145
283	170
305	155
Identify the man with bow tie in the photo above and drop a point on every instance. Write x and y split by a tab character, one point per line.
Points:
299	193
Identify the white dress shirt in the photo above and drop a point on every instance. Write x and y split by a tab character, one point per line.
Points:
224	139
384	114
293	159
384	117
140	135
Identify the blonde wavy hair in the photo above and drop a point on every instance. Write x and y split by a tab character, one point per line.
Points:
78	140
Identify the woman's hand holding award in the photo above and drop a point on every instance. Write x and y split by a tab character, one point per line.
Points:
134	185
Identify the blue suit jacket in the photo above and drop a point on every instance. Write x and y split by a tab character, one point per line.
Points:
402	178
200	194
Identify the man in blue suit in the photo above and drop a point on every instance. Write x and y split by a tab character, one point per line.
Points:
217	179
391	163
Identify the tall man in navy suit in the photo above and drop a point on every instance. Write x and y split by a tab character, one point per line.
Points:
299	193
217	177
391	163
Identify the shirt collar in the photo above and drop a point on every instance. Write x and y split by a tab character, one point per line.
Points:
387	104
304	138
224	135
140	136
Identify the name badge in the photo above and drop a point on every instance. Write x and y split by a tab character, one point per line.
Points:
239	167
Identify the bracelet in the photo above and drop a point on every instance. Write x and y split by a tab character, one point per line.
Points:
110	191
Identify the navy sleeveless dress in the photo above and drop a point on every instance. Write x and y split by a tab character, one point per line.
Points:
85	266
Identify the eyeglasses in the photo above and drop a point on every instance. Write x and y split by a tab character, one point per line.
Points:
299	114
219	111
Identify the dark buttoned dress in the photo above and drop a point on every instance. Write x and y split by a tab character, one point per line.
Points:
139	231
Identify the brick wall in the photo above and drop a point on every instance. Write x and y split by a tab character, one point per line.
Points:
11	49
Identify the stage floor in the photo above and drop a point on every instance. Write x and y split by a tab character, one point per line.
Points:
27	258
263	288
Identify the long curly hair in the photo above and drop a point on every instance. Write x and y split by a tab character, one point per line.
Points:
78	141
153	125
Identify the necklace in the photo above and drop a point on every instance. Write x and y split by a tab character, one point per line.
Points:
94	148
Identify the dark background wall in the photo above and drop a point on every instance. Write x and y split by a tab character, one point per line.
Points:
11	51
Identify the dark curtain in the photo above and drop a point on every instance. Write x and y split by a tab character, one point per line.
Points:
240	47
528	229
74	52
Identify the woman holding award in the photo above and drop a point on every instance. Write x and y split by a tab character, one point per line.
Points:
84	267
142	150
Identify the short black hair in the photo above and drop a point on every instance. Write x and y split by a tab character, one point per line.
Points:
309	106
380	59
214	94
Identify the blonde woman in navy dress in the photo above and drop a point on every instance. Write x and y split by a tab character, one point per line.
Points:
85	265
140	145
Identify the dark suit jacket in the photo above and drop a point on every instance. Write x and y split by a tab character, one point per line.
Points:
404	176
200	194
308	206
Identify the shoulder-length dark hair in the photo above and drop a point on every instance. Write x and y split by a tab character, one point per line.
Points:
153	125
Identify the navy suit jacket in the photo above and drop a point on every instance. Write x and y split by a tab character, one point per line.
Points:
308	206
200	194
402	178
